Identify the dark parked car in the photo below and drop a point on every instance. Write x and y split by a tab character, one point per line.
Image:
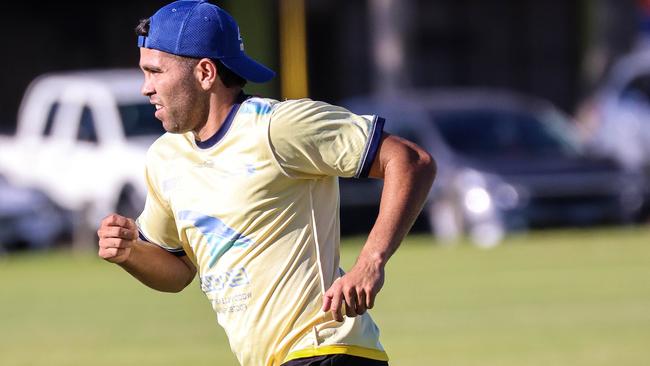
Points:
505	162
29	219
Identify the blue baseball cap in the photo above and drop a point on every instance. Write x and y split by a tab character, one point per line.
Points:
196	28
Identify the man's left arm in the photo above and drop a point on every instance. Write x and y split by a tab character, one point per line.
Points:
408	172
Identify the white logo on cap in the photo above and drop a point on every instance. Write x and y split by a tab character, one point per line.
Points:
241	41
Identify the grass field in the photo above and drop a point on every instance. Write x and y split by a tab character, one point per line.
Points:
549	298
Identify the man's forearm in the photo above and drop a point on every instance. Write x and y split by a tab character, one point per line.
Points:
157	268
408	172
408	176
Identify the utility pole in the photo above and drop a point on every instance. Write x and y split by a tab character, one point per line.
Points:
293	49
388	22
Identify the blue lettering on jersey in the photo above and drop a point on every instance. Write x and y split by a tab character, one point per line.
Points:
218	282
218	235
255	106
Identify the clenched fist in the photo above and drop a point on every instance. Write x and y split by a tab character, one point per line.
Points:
117	234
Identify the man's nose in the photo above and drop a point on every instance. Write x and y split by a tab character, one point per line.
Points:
147	89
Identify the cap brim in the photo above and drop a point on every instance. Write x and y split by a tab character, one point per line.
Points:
248	68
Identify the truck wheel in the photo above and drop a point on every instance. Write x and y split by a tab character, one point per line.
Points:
129	203
84	234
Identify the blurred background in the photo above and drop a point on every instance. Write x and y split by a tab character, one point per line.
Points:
537	113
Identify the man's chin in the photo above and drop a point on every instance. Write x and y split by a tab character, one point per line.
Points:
172	127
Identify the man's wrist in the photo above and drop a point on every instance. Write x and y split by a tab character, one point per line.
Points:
373	258
130	259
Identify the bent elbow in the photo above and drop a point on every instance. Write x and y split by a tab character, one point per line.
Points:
175	288
176	284
187	282
426	166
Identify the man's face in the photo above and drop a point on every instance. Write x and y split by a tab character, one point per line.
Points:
171	85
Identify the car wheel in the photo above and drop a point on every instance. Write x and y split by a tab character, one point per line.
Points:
487	234
446	221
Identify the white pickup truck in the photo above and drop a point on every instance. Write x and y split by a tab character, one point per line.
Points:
81	138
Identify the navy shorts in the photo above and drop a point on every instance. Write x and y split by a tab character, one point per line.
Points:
335	360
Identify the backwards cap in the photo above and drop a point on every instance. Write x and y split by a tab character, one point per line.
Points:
196	28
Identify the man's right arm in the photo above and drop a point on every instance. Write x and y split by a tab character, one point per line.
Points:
149	263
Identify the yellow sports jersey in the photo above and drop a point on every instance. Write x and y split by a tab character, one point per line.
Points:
256	208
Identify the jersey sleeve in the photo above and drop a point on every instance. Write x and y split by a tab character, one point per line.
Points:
156	224
312	139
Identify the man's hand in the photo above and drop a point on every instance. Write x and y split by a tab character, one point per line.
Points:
407	171
357	289
117	234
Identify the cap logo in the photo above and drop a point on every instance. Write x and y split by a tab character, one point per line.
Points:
241	41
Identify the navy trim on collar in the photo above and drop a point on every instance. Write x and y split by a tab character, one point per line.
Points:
225	126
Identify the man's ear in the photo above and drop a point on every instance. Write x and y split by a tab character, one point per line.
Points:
206	73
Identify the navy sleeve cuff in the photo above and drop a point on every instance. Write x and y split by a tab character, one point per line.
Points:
371	148
176	252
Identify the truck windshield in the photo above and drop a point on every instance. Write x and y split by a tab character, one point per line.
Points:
139	120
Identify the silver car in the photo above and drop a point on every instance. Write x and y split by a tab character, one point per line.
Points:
30	220
505	162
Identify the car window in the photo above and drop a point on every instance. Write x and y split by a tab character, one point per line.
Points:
87	131
501	133
139	120
49	121
638	89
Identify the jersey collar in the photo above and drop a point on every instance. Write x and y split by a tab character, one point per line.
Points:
225	126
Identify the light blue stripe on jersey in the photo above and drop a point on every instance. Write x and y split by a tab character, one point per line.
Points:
256	106
219	236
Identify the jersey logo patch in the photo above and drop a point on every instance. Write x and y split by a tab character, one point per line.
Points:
220	237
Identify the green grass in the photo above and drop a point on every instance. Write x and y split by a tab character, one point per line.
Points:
549	298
